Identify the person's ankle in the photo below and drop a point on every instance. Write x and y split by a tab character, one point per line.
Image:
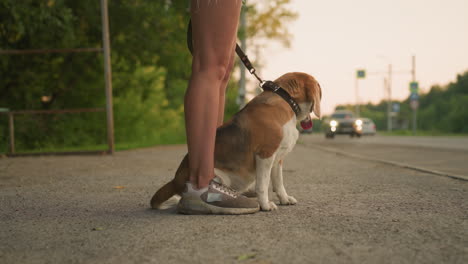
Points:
197	184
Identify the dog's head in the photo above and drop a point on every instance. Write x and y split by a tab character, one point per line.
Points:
305	90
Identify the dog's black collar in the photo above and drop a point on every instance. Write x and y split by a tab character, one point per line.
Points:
273	87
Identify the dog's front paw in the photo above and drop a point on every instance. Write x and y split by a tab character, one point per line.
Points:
269	206
288	200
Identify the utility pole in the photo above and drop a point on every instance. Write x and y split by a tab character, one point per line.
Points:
385	90
242	82
258	89
356	90
360	74
108	76
389	104
388	92
413	79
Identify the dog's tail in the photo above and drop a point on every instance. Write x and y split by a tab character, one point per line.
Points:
163	194
175	186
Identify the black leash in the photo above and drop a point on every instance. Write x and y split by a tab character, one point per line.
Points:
265	85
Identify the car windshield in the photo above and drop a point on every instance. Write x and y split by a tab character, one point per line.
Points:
341	116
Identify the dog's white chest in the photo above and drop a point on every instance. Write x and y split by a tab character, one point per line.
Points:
290	136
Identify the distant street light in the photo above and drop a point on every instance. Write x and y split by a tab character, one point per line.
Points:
388	91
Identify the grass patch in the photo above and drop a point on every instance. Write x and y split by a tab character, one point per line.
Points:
163	140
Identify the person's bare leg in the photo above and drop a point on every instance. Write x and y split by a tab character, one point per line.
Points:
214	28
223	87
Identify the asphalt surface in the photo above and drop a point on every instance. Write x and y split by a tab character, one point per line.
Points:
439	154
95	209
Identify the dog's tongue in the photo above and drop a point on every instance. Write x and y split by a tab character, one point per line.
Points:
306	123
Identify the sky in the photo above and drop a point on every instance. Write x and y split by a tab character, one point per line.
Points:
331	39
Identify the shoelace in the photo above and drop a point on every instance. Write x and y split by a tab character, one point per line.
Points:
225	189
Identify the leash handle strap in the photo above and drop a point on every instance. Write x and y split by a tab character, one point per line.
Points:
245	60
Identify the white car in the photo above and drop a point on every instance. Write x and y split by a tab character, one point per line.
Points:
368	127
343	122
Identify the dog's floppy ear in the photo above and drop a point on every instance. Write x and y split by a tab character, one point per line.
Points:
317	96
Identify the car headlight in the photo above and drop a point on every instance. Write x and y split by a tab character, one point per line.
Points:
358	122
333	123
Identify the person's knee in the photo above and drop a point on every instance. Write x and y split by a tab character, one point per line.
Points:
214	69
227	74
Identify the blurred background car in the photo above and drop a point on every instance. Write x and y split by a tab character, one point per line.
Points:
343	122
368	127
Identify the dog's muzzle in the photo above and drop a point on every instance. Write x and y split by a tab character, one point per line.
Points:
307	123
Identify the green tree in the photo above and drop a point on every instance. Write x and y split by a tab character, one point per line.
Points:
269	20
150	63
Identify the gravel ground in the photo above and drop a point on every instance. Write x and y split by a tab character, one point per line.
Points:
95	209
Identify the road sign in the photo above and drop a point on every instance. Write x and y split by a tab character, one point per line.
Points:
414	104
361	74
396	107
414	87
414	97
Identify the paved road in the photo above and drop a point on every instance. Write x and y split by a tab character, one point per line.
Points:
94	209
453	143
442	154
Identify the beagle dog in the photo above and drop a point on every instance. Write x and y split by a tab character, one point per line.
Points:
250	148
